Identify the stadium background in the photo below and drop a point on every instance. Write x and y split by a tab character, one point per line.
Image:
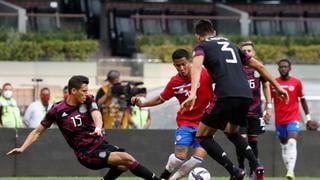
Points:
115	24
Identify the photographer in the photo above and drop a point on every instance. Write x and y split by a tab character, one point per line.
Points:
113	115
135	117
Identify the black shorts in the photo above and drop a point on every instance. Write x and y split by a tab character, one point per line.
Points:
97	159
255	126
233	110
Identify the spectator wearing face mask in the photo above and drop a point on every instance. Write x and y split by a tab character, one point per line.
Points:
9	110
38	109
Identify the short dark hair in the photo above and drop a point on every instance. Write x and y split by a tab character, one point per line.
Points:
180	53
284	60
76	82
112	75
204	27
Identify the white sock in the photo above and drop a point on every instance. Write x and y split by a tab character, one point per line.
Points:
186	167
284	150
292	154
173	162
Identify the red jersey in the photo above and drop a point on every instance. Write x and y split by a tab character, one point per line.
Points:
285	113
180	88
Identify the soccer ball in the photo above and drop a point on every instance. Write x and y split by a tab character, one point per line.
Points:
199	173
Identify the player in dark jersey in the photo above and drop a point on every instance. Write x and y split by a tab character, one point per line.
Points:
80	122
224	60
255	118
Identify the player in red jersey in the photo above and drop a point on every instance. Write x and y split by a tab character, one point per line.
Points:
255	119
179	87
80	122
287	115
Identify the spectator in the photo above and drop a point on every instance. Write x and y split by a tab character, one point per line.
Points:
113	116
139	117
37	110
9	110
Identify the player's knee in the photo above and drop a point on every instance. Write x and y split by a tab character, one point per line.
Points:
126	159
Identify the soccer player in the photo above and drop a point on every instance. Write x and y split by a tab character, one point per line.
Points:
224	60
179	87
80	122
287	116
255	120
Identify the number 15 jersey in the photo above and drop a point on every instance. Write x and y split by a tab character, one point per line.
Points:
75	123
224	60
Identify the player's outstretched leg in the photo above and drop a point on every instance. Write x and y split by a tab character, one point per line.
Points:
112	174
187	167
124	159
173	162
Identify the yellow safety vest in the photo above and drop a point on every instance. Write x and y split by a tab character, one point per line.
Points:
139	116
10	114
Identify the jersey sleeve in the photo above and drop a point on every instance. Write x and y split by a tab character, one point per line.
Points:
91	104
167	93
198	51
50	117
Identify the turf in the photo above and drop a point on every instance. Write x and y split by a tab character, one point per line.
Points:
131	178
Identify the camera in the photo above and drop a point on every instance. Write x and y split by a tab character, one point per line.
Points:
124	90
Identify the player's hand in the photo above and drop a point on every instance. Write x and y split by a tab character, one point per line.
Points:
312	125
267	115
15	151
97	132
283	94
188	103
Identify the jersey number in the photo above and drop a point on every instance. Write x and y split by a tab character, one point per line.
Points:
228	49
252	83
76	120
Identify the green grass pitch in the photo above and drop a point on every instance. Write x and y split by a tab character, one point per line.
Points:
131	178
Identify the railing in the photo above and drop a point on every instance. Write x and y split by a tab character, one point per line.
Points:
46	21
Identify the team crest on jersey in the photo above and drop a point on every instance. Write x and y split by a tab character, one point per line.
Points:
83	108
291	88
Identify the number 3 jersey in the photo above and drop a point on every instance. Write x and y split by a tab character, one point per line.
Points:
224	60
75	123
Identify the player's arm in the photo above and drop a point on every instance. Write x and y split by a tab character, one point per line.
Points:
97	118
305	108
32	137
195	78
141	102
268	105
257	65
